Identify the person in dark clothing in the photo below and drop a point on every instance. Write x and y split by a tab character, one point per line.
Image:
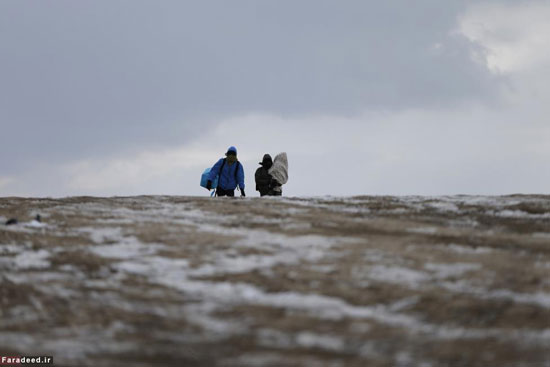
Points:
230	173
262	176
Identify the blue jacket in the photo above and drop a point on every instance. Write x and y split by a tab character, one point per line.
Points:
227	177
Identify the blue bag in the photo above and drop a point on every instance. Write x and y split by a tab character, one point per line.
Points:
204	179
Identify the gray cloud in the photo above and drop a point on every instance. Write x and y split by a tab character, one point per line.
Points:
135	97
98	77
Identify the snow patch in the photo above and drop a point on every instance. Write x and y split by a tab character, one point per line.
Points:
404	303
129	249
398	275
443	206
35	224
539	298
103	234
326	342
32	260
11	249
517	214
443	271
423	230
460	249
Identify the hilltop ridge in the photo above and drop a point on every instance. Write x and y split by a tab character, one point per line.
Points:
327	281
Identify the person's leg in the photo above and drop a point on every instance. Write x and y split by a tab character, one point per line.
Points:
230	193
220	192
275	193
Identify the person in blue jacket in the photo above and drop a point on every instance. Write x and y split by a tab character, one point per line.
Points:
231	174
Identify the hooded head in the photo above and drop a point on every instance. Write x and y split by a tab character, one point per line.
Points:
231	154
267	162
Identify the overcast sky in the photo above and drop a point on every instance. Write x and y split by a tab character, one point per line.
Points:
113	97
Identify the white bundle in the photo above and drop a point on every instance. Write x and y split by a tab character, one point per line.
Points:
279	170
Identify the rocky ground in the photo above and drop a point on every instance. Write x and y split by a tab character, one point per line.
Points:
362	281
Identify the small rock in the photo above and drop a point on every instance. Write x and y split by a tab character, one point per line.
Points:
11	221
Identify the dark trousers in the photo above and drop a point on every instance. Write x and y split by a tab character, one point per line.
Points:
222	192
267	191
271	193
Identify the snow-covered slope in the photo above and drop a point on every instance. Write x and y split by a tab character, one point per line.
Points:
363	281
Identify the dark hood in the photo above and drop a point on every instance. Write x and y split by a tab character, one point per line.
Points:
267	162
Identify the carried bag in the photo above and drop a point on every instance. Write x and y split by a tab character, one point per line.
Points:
279	169
204	179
